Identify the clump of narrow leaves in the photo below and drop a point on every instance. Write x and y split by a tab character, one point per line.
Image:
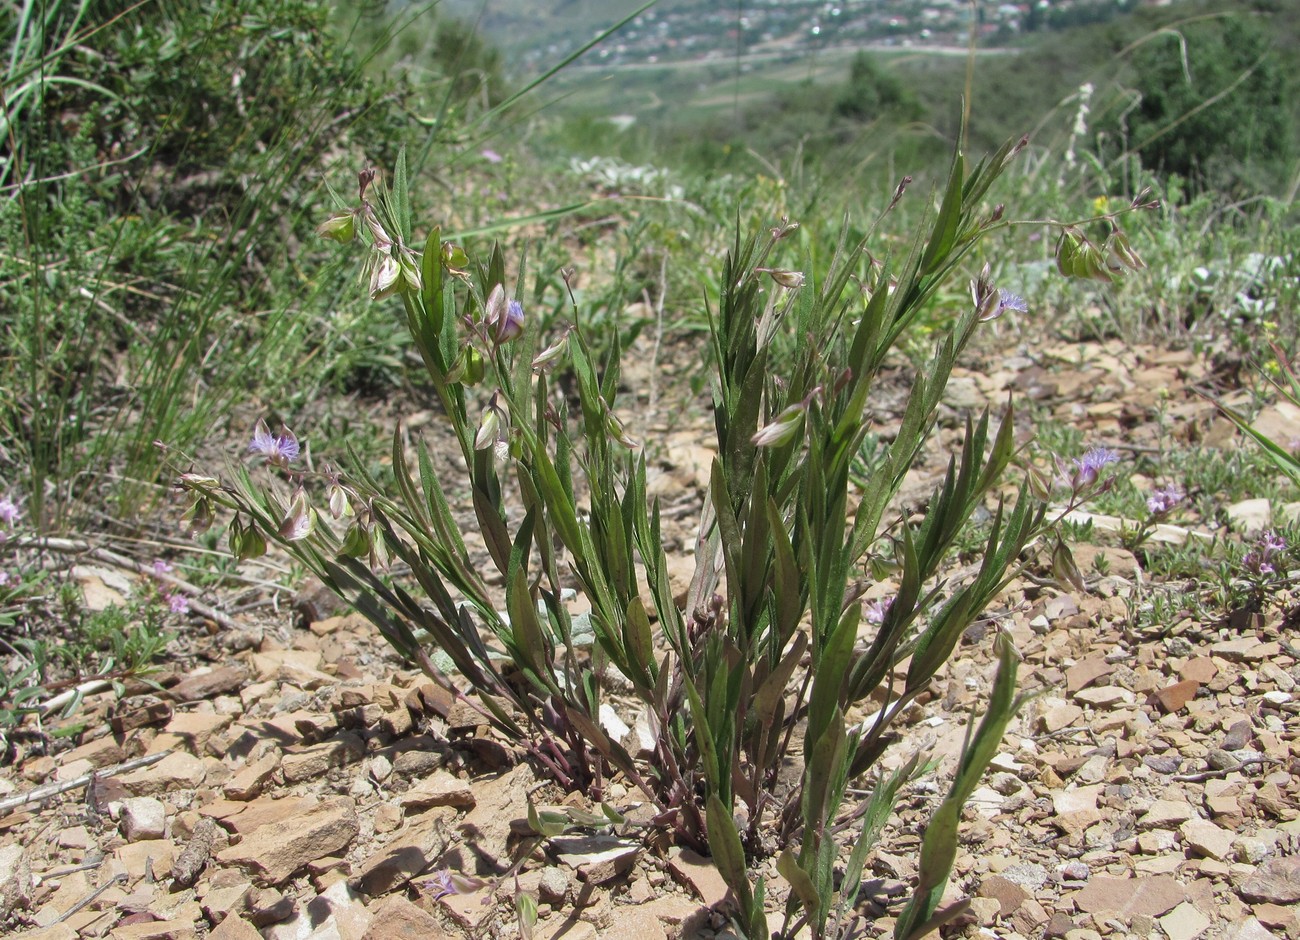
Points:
775	646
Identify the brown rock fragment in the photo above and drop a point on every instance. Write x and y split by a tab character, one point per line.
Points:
407	856
1277	916
220	681
157	930
699	874
1087	671
1154	895
268	906
249	783
442	789
1277	881
398	919
1175	697
275	850
220	903
15	880
1009	895
315	760
1200	669
177	771
234	928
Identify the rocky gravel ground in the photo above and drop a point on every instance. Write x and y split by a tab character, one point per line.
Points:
304	785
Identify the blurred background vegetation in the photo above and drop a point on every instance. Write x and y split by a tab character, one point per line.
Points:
163	166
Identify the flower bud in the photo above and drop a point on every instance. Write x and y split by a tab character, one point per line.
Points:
493	426
340	505
378	234
199	518
197	481
357	542
246	542
790	279
545	360
782	429
300	520
618	431
411	278
384	274
341	228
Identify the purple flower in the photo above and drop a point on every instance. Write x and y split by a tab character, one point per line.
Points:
504	318
441	885
877	610
1009	301
4	578
9	511
491	156
1163	500
1260	560
279	450
178	604
1089	465
161	568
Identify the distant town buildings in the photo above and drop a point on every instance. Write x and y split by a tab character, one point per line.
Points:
701	29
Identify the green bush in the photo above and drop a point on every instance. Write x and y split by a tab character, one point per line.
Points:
1216	105
159	163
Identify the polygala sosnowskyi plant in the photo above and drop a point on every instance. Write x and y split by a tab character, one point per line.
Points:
776	646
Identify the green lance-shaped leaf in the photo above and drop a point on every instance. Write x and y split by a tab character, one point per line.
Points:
728	853
526	912
1281	457
608	748
944	231
788	867
823	770
547	824
638	641
874	817
772	690
787	586
704	739
431	279
939	844
829	671
525	625
487	509
401	197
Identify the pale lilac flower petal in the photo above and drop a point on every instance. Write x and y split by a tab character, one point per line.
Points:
279	450
1089	465
1009	301
876	611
